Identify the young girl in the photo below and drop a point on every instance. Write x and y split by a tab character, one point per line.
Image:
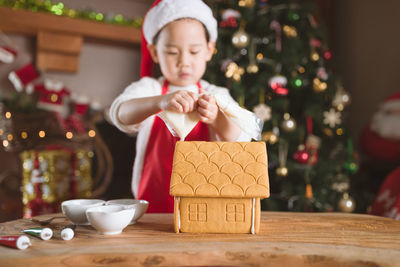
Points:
180	37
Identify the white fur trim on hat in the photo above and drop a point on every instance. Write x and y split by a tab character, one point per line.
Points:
170	10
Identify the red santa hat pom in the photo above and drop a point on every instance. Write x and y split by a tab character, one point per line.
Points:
22	77
7	54
163	12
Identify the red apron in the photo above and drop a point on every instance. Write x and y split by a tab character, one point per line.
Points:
157	167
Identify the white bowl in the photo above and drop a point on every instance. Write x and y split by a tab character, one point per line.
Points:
140	206
111	219
75	209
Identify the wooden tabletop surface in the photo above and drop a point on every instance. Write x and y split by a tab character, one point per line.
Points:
285	239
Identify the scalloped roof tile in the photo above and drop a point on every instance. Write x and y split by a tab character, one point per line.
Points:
220	169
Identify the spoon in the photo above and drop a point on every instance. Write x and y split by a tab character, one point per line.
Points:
47	221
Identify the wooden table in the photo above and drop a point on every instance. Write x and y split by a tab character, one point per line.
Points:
285	239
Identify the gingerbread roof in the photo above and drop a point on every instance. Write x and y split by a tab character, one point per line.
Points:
220	169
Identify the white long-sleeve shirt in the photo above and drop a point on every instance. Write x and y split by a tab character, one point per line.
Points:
146	87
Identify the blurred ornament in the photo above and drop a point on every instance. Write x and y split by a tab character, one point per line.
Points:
315	43
341	185
263	112
252	68
234	71
282	171
269	137
351	166
322	74
319	86
301	155
293	16
276	26
240	39
312	20
301	69
314	56
290	31
309	193
346	203
246	3
278	84
296	82
327	55
313	144
288	124
328	132
332	118
341	99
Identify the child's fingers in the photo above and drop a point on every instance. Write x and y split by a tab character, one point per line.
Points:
183	101
174	105
203	103
203	114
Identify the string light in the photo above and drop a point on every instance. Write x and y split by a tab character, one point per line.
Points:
5	143
8	115
10	137
24	135
92	133
69	135
42	134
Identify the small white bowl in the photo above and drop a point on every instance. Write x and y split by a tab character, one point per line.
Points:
111	219
75	209
140	206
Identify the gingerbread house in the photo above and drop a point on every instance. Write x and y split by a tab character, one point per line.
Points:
217	186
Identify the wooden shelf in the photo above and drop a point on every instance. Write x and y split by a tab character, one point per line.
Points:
55	28
27	22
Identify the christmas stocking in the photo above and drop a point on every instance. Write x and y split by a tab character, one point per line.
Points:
7	54
23	77
53	97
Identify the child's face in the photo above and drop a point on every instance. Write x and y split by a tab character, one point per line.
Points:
182	51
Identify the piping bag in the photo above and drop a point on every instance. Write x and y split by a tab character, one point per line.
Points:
15	241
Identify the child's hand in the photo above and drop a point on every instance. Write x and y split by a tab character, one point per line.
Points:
180	101
207	109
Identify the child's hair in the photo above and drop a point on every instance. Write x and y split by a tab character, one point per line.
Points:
155	38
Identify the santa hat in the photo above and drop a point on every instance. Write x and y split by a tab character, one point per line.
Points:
391	102
23	76
7	54
163	12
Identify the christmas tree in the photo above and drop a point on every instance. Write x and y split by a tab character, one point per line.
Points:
274	57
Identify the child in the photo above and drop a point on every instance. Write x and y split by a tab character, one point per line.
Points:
181	36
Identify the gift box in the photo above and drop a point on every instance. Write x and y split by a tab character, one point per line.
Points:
52	175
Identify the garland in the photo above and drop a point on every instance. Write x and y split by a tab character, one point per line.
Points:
59	9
